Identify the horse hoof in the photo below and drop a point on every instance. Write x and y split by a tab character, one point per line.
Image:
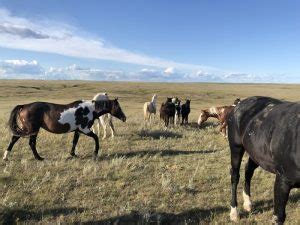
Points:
40	158
234	215
247	203
275	220
74	155
95	157
5	158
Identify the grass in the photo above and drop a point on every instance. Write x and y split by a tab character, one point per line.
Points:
146	175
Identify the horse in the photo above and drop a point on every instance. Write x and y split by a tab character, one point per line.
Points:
167	111
176	102
185	111
268	130
104	119
150	108
78	117
219	113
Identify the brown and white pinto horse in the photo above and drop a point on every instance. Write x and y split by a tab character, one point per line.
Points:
219	113
77	117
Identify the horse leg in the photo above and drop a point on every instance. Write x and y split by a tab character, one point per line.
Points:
103	124
237	153
249	170
13	140
75	141
111	126
94	126
223	129
282	190
95	137
32	143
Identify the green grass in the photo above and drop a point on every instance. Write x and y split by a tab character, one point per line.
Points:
145	175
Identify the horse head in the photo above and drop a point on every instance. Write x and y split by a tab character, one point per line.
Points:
168	100
116	110
236	101
154	97
202	117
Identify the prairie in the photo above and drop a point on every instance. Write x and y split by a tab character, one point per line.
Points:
145	175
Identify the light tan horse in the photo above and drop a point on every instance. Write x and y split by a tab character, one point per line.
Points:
105	119
150	109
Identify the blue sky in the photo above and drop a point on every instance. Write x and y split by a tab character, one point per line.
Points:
211	41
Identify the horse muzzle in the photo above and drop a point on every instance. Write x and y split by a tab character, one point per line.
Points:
123	119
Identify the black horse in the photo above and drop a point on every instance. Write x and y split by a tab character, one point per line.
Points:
77	117
185	111
269	130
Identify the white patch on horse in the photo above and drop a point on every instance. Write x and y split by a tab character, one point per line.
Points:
247	202
213	110
234	215
68	116
5	156
199	119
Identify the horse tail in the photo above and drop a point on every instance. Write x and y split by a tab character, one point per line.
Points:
13	122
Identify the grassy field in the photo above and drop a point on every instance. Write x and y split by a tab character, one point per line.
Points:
146	175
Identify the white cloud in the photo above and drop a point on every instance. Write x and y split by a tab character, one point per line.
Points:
21	69
60	38
169	71
75	72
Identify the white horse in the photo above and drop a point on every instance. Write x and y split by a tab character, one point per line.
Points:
104	119
150	108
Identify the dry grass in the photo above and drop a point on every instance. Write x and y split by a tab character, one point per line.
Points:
146	175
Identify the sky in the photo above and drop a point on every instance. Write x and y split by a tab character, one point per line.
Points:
253	41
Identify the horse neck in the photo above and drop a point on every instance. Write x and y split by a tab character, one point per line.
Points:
102	107
153	101
209	113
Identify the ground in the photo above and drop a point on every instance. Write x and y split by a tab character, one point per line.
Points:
146	175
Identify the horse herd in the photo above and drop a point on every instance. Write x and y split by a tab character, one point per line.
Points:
267	129
171	111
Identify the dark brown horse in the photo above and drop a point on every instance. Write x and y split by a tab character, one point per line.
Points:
167	112
77	117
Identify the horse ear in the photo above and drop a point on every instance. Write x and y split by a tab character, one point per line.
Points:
93	101
116	99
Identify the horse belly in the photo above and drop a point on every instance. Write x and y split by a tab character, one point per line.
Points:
51	124
286	148
256	141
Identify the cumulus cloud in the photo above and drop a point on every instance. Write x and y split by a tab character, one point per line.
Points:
21	69
75	72
169	71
